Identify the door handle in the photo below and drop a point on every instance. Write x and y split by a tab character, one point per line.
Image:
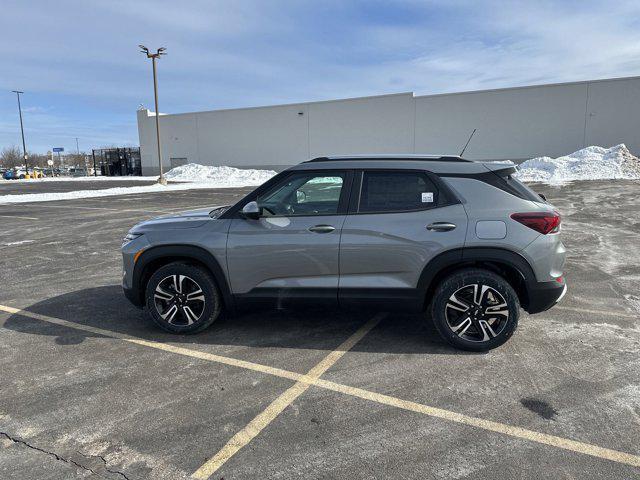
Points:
441	226
322	229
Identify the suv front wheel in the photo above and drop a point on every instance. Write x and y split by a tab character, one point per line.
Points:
475	310
182	298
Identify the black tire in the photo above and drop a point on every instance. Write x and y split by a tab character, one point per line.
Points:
491	316
191	315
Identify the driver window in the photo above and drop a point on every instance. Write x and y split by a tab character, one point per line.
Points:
304	194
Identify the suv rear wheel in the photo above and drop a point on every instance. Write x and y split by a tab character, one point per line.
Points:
182	298
475	310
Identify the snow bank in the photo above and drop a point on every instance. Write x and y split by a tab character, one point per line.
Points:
591	163
218	177
83	179
190	177
104	192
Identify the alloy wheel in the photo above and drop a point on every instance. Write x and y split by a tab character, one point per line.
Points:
179	300
477	312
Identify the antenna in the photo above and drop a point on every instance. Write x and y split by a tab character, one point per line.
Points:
467	144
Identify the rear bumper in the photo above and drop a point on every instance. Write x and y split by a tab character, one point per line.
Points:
544	295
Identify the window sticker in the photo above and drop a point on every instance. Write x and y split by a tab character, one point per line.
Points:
427	197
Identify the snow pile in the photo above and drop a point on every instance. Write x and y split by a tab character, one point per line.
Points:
591	163
218	177
103	192
90	178
186	177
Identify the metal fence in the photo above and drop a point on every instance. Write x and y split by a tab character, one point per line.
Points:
117	162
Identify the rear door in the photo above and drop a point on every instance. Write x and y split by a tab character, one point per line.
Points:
398	221
293	249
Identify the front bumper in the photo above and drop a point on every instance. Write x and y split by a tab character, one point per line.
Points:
544	295
130	253
133	295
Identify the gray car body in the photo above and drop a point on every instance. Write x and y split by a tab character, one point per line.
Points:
371	257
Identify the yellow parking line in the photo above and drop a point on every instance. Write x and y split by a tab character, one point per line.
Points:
264	418
488	425
211	357
513	431
278	372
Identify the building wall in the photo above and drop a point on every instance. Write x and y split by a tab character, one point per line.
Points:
514	123
381	124
613	113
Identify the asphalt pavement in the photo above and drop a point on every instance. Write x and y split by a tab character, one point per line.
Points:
91	389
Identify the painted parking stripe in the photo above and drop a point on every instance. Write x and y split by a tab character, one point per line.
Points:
513	431
19	217
278	372
275	408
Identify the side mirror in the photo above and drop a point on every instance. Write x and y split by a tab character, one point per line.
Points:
252	211
542	197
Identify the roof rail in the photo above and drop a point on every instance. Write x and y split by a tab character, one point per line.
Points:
420	158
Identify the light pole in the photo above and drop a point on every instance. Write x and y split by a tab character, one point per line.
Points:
153	57
24	147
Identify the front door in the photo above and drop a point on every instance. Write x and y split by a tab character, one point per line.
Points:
293	248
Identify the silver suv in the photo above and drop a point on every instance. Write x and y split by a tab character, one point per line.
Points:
464	242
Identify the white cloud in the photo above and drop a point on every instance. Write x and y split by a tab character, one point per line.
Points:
80	61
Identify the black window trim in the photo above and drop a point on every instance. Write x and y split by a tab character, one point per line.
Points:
356	191
496	179
343	202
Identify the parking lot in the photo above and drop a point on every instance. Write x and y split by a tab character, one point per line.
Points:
91	389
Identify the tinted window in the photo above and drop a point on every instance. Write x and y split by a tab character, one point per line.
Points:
397	191
522	190
505	181
304	194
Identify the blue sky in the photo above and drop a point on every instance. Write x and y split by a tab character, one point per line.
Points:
83	75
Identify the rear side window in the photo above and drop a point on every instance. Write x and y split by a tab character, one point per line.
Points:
523	191
505	181
397	191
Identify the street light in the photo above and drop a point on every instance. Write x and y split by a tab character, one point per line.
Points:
153	57
24	147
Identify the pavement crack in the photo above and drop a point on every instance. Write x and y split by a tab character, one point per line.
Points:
106	467
52	454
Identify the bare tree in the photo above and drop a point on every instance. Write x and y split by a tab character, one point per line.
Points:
11	157
37	160
75	159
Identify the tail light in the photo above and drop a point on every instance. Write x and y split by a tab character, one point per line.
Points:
542	222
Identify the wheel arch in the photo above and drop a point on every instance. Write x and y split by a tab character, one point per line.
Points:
512	266
153	258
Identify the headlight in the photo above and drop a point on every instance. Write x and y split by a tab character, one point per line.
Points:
130	237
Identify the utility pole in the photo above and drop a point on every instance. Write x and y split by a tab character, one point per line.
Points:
153	57
24	146
84	159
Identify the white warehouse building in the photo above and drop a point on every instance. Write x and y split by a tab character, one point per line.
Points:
512	123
